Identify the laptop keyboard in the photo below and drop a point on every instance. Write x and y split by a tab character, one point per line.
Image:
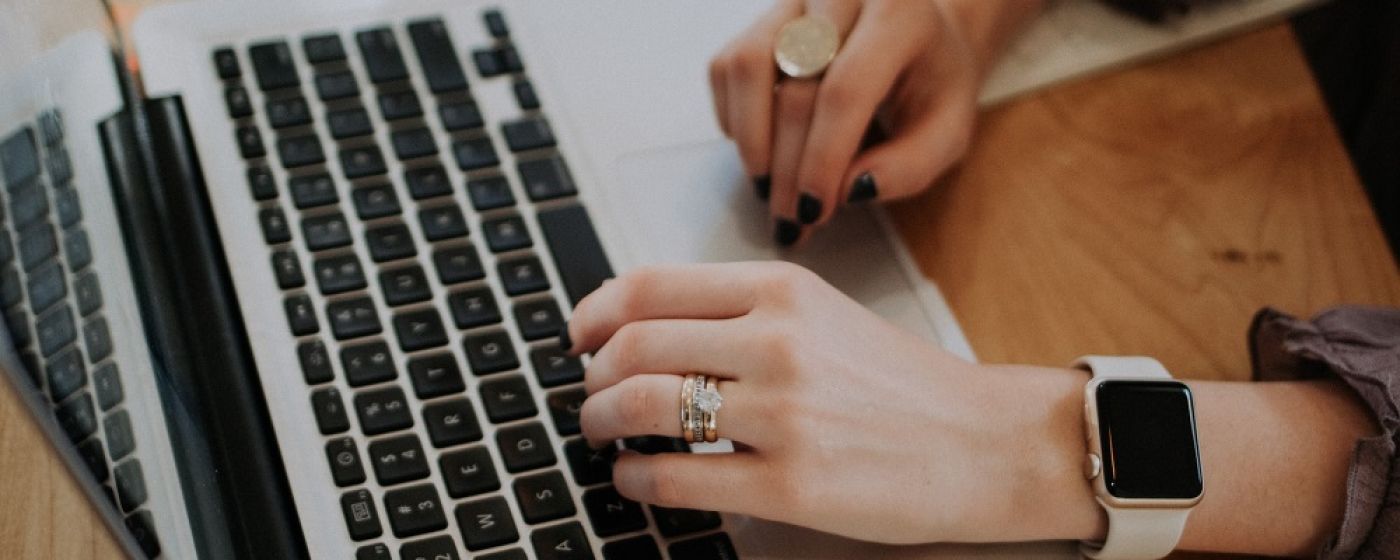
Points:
424	311
53	305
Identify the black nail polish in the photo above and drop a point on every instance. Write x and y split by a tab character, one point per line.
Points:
763	186
863	189
809	209
786	232
564	342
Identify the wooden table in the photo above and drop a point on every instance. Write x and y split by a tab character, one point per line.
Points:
1148	211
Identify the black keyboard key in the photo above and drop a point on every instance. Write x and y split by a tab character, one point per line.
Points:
435	375
475	153
77	249
398	460
287	269
486	523
250	143
565	541
65	202
36	243
543	497
55	329
437	55
107	385
383	411
381	54
590	466
506	233
510	554
376	201
300	151
451	422
46	286
490	193
261	183
490	352
538	319
373	552
95	458
611	514
239	105
458	264
508	399
578	255
131	484
528	134
59	166
496	24
315	362
367	364
641	547
273	64
674	522
427	182
391	242
651	445
469	472
405	285
523	275
344	458
361	162
555	367
709	547
361	517
524	447
18	322
226	64
353	318
510	59
326	232
77	417
11	287
88	292
414	510
525	95
97	339
323	48
274	226
301	317
311	191
19	158
339	274
418	330
142	527
463	115
400	105
282	113
564	407
436	548
413	143
29	203
474	308
349	123
442	222
330	411
546	178
337	85
488	62
120	442
67	373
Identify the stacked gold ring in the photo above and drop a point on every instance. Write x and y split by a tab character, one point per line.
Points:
700	402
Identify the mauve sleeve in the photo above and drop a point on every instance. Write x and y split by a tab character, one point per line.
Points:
1361	347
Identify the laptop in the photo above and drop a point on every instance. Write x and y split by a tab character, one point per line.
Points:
284	280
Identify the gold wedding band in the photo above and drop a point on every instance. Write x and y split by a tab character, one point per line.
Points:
805	46
700	403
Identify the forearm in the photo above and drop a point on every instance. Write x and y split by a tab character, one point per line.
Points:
1275	458
990	26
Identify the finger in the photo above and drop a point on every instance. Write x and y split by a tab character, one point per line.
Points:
650	405
728	482
859	78
750	75
671	346
912	159
719	91
696	291
791	117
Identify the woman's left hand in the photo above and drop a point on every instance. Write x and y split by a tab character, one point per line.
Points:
842	422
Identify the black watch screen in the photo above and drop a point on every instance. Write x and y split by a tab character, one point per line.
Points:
1147	432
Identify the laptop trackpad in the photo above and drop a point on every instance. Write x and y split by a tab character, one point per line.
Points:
693	203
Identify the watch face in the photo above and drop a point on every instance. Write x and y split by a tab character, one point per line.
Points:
1147	432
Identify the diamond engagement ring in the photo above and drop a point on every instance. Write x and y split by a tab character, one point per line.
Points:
805	46
707	402
700	400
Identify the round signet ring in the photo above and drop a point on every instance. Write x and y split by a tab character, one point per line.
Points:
805	46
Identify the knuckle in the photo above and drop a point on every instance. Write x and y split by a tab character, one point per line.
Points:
837	94
627	345
664	485
635	405
748	63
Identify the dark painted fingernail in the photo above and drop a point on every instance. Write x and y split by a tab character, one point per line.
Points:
763	186
786	232
564	341
864	189
809	209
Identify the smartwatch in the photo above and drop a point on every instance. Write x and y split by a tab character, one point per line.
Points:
1144	459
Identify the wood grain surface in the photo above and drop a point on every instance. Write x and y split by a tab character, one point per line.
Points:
1151	210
